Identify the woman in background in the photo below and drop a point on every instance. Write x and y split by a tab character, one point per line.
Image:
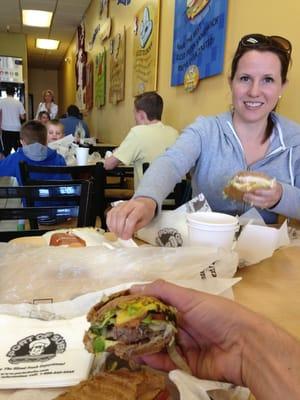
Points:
250	137
48	104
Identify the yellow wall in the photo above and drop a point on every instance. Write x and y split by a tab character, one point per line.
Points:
112	122
14	45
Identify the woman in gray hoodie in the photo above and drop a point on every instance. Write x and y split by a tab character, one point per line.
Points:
251	137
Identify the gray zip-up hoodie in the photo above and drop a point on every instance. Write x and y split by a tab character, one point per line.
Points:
211	150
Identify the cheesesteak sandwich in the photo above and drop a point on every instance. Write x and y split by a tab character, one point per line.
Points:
247	181
132	325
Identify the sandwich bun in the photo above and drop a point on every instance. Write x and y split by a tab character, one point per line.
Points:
66	239
131	325
128	326
245	182
122	384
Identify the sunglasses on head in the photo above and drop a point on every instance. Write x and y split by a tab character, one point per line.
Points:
257	40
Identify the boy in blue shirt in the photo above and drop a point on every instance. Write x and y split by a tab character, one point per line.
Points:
33	137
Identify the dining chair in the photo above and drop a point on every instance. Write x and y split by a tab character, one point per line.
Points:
181	193
68	199
118	182
31	175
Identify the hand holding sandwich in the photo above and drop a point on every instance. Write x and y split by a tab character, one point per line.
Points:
264	198
224	341
256	188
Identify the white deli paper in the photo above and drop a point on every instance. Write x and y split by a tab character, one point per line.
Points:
36	353
258	242
169	228
192	388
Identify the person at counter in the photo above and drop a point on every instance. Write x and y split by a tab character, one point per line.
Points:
12	112
222	340
250	137
47	104
145	141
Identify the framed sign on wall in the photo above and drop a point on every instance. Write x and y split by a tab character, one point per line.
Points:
199	38
145	47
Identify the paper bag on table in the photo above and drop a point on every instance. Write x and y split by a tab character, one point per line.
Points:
169	228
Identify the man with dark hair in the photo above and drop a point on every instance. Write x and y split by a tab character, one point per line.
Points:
145	141
72	121
11	113
33	137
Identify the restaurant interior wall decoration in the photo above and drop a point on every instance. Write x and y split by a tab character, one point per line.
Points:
100	79
199	38
117	68
145	47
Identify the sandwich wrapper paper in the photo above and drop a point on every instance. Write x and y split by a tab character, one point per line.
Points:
169	228
257	241
36	353
63	360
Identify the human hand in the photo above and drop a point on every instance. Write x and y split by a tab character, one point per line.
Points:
129	216
264	198
210	333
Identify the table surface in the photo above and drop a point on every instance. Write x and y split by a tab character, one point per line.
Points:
272	288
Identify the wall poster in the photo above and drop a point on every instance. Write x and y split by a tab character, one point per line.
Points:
80	67
100	79
199	38
89	86
117	68
145	47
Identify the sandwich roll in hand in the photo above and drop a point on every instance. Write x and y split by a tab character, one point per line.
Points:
246	182
131	325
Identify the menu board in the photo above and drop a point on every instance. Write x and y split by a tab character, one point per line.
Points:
11	69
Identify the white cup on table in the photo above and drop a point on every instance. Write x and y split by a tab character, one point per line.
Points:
82	155
211	229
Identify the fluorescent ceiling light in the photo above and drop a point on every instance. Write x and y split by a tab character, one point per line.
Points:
48	44
37	18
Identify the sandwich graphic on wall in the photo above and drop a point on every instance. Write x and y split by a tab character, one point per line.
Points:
194	7
130	325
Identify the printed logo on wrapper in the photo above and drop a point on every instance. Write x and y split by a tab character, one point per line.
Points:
41	347
169	237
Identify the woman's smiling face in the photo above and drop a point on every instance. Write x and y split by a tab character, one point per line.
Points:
256	86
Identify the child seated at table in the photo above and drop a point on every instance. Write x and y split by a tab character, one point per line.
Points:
34	150
55	130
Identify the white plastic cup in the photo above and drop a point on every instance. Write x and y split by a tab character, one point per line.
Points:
211	229
82	155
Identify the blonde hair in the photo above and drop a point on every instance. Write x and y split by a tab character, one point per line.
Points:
48	91
57	123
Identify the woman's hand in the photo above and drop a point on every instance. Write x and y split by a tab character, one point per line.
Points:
264	198
129	216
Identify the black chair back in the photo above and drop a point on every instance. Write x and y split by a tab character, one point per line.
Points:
95	171
76	197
